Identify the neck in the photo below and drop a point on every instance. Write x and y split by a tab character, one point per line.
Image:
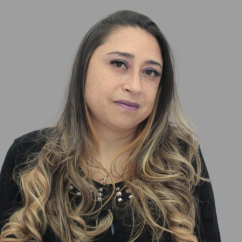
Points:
111	141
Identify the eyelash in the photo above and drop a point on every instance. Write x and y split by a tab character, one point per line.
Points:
112	62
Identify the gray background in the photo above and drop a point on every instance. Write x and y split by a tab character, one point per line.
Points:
39	41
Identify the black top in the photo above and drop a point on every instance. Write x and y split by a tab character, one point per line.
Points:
10	198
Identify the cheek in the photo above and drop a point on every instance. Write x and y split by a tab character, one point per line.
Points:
100	81
92	86
151	96
150	101
97	91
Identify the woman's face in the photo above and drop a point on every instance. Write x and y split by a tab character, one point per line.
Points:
129	77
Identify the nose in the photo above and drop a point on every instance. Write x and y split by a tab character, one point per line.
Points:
133	83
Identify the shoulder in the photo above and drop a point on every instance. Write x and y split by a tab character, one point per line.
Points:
10	198
184	147
23	146
32	140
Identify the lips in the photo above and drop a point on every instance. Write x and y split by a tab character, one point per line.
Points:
125	102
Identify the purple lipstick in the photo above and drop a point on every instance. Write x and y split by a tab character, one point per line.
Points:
129	106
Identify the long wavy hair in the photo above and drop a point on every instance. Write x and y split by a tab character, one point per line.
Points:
160	173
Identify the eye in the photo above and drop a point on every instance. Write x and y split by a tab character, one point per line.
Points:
118	63
156	73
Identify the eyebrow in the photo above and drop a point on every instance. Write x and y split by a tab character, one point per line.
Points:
131	56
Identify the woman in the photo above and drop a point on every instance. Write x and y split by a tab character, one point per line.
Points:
121	164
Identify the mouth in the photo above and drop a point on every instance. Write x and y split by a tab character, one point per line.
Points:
129	106
127	103
126	107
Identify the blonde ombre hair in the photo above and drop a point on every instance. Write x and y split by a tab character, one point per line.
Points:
163	169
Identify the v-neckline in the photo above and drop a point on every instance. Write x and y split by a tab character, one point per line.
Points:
108	185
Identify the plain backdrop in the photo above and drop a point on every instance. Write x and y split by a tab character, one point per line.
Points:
38	43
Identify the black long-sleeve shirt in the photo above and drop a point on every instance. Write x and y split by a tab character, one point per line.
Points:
10	198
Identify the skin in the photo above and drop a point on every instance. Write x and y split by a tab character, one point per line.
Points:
106	83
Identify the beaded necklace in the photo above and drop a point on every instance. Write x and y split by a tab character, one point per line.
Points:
105	189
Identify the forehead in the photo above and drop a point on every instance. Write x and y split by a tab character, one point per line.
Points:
136	41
